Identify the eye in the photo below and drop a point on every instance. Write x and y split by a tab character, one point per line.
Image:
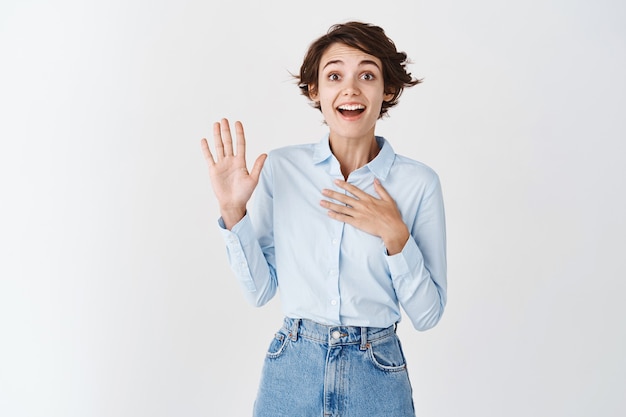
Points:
333	76
368	76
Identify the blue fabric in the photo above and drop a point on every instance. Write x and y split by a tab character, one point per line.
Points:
328	271
363	371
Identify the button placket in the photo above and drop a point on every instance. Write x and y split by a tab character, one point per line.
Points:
334	248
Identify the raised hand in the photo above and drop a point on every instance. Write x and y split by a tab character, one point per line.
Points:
232	183
376	216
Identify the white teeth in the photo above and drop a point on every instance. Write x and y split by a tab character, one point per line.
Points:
351	107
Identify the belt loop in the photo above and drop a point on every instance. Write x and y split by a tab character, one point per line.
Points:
293	333
364	344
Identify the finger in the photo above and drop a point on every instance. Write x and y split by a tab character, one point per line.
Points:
227	138
217	139
341	217
337	216
352	189
258	165
337	208
341	197
207	152
241	140
380	190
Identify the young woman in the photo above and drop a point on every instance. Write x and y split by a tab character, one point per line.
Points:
345	228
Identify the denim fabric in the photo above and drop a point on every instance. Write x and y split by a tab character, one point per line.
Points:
314	370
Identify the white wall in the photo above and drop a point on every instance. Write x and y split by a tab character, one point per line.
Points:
115	295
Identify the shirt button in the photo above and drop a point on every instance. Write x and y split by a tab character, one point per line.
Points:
336	334
334	241
333	302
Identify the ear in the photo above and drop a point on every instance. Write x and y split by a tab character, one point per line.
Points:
388	96
313	95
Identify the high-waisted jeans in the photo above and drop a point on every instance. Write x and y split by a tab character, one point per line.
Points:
314	370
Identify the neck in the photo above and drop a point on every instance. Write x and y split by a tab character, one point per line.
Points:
352	154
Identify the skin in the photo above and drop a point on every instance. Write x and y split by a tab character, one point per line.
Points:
232	183
348	76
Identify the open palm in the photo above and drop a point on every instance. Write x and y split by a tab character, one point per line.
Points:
232	183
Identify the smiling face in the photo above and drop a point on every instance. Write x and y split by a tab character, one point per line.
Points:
350	90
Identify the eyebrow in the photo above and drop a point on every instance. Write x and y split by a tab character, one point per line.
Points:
364	62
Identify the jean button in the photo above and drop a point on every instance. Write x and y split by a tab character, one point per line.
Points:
336	334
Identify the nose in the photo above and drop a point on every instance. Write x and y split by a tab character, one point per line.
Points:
351	87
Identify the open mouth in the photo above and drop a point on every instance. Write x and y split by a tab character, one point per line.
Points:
351	110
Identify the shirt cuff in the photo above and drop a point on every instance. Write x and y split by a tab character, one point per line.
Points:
407	261
236	256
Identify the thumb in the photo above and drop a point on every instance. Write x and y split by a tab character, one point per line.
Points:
258	165
381	190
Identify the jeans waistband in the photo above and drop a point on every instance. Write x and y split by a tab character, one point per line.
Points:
335	334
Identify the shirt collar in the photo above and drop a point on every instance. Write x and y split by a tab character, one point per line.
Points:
379	166
322	151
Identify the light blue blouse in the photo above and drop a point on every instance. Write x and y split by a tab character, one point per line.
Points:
329	271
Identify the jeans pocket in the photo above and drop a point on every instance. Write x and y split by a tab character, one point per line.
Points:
386	354
277	345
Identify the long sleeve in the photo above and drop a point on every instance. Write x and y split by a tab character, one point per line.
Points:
419	272
329	271
250	253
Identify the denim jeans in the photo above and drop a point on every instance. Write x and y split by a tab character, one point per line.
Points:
314	370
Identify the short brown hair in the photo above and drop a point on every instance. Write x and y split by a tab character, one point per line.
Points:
370	39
